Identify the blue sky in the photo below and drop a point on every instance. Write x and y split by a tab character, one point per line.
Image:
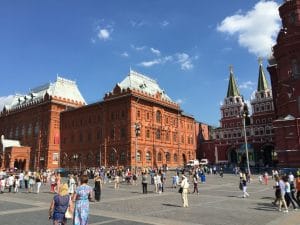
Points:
187	46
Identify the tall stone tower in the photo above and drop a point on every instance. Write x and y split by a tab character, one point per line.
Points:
284	68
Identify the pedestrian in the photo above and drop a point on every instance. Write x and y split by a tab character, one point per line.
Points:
72	184
26	180
298	188
82	196
144	182
288	194
155	178
174	181
244	186
31	183
21	179
59	206
10	181
185	186
134	179
293	192
17	184
260	178
159	184
38	182
195	181
98	187
282	196
266	178
276	187
52	183
117	181
221	172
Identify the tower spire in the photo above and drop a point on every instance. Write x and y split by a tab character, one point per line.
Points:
262	83
232	87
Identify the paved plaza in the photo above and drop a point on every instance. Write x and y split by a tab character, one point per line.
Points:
219	203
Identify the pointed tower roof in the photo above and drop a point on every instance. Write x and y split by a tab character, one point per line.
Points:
262	84
232	87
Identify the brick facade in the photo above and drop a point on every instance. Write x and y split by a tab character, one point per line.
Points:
104	134
36	123
284	69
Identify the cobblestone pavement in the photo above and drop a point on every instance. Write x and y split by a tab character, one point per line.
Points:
219	203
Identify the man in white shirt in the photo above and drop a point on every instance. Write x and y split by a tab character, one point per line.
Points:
10	181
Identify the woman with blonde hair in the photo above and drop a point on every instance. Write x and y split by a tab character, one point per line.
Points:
59	205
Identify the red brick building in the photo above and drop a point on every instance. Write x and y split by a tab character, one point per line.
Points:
104	133
228	142
284	69
34	120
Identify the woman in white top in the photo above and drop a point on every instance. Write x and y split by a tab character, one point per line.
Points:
72	184
185	186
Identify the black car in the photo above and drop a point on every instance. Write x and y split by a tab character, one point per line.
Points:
287	171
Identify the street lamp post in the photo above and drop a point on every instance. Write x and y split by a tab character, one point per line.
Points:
246	144
137	133
116	152
75	157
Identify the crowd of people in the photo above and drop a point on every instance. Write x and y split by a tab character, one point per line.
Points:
73	194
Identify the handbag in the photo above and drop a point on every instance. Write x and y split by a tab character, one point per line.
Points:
180	190
68	213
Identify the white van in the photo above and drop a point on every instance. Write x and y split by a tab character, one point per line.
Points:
192	163
204	162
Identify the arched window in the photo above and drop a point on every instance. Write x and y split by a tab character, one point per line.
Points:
36	128
168	157
138	156
148	156
175	157
122	157
158	116
29	132
159	157
112	157
158	135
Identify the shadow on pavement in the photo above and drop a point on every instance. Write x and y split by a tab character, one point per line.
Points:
265	207
167	204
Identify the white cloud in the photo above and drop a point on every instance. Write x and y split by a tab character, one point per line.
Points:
137	48
155	51
249	106
4	100
150	63
185	61
125	54
256	29
104	34
179	101
135	23
247	85
156	61
164	23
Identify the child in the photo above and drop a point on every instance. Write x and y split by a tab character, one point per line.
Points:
260	179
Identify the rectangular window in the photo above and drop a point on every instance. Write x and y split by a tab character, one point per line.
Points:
55	158
123	132
148	134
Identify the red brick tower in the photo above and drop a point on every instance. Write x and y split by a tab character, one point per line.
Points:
284	69
261	122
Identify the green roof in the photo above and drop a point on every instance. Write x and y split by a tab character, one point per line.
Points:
232	87
262	81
